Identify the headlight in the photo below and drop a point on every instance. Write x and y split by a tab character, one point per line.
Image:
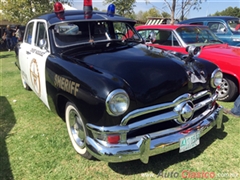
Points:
117	102
216	78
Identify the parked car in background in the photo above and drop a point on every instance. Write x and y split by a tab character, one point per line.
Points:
226	28
120	99
179	36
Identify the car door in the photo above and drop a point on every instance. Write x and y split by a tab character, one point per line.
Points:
34	52
23	52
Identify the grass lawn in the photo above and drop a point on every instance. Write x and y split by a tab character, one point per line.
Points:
34	144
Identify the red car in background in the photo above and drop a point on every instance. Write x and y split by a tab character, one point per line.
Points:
177	37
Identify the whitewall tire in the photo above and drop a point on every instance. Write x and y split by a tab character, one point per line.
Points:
76	130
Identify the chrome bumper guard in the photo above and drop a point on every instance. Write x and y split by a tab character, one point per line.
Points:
149	145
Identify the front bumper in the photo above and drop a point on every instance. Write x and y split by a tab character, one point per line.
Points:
148	146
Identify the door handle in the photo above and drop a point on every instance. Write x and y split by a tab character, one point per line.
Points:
28	52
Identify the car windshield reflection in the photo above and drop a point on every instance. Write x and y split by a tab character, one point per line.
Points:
70	34
196	35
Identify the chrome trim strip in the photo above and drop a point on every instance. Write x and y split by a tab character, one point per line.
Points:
153	120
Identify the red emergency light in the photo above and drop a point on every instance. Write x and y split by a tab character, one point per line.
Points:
58	7
87	8
59	10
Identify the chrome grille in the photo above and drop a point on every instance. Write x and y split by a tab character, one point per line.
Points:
162	119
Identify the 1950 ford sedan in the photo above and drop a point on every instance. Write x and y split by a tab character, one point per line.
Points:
121	99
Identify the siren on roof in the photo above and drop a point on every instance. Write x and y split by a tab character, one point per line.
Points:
87	8
111	10
59	10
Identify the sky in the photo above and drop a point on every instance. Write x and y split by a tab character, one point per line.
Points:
208	7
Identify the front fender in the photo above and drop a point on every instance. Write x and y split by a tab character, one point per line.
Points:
87	88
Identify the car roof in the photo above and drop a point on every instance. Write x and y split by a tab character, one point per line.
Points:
168	26
225	18
79	15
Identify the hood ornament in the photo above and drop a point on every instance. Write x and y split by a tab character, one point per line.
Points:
185	111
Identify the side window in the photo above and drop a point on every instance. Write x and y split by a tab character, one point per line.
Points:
166	38
120	29
146	33
28	35
217	27
41	35
124	31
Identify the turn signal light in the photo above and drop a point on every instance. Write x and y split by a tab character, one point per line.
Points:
113	139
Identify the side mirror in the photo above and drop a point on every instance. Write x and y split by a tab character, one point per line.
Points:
193	51
42	43
152	36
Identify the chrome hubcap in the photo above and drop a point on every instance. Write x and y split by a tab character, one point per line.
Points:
76	128
224	89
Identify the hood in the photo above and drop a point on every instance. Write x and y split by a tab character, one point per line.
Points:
152	76
220	50
225	56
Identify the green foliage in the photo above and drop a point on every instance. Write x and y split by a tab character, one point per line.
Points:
179	9
230	11
95	9
123	8
21	11
153	12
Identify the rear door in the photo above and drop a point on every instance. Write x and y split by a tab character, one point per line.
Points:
24	52
34	53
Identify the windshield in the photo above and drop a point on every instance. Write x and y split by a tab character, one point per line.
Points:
196	35
70	34
234	25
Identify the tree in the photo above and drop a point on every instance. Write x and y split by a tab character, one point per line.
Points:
230	11
21	11
180	7
123	7
185	6
95	9
153	12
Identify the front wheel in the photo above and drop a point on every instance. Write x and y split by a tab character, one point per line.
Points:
76	130
228	90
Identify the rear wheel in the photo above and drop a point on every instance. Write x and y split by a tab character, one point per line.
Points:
76	130
228	90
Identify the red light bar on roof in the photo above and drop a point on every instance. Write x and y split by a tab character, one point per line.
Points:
87	7
58	7
59	10
87	3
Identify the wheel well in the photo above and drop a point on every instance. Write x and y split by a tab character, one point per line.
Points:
61	103
233	78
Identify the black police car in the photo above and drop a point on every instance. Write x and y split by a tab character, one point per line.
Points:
121	99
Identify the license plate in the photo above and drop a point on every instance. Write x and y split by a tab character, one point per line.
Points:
189	142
